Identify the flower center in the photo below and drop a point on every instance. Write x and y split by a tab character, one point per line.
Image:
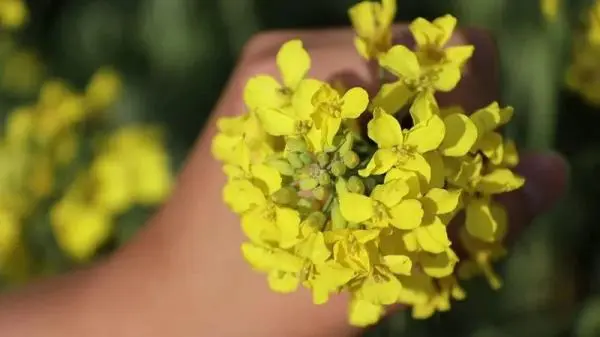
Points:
302	127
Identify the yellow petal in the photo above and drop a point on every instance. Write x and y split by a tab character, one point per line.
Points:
356	207
362	16
302	98
426	136
355	102
398	264
391	192
392	96
293	62
382	161
460	54
408	214
401	61
384	129
388	12
241	195
263	91
423	108
433	238
479	221
288	223
419	165
438	265
446	24
436	163
283	282
511	155
460	136
500	181
362	48
363	313
276	122
487	119
259	258
492	146
424	32
449	77
267	175
441	201
330	127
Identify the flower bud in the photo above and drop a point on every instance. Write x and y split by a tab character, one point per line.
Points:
308	203
294	160
308	184
282	166
296	145
338	169
356	185
351	159
320	193
369	183
316	219
284	196
323	159
306	158
324	178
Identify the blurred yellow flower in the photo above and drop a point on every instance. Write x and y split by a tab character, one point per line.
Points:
13	13
550	9
372	22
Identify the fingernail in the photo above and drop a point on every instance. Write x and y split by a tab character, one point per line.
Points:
545	179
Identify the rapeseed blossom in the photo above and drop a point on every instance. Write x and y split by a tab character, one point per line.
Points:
583	72
337	206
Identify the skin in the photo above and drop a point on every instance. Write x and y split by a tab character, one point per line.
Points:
184	274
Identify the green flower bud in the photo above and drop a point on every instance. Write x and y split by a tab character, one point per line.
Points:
320	193
323	159
356	185
351	159
308	204
294	160
282	166
284	196
338	169
316	219
308	184
370	183
296	145
324	178
306	158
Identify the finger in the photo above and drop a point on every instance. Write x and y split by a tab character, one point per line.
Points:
546	180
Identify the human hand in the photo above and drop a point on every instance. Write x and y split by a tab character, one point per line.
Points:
190	253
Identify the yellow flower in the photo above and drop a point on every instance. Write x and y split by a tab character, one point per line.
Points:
13	13
331	109
489	141
482	254
352	248
402	149
79	229
10	229
295	120
414	79
372	22
265	91
241	140
432	37
550	9
103	89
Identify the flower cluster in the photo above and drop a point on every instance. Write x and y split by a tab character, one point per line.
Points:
583	74
46	170
333	207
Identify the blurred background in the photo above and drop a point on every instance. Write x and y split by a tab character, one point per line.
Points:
100	101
